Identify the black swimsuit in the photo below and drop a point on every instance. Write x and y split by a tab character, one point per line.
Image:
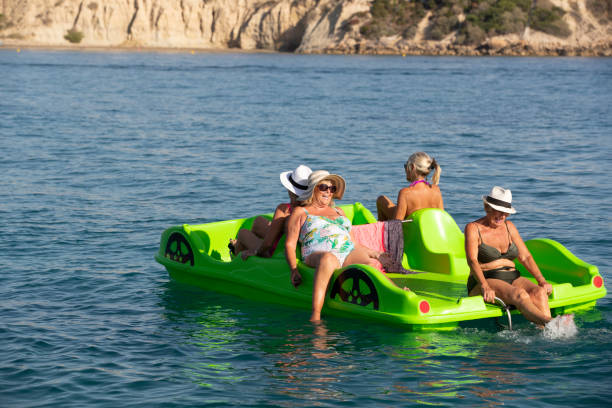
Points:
487	253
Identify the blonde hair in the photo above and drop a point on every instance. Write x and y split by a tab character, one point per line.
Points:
310	198
421	164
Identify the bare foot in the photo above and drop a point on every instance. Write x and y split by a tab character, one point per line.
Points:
315	318
232	246
562	326
567	320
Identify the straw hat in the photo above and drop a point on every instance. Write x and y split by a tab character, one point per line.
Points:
296	181
318	176
500	199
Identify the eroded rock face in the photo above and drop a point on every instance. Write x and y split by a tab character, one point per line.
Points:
305	26
245	24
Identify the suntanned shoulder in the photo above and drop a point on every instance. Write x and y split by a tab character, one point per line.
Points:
470	226
405	191
511	226
283	207
473	225
298	211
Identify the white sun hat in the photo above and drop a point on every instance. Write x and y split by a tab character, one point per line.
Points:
500	199
296	181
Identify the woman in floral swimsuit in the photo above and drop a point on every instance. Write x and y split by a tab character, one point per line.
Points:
325	234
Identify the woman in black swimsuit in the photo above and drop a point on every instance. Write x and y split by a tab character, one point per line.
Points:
492	243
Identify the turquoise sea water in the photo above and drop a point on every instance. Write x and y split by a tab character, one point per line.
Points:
103	151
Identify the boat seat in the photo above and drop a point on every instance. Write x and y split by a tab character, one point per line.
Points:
433	242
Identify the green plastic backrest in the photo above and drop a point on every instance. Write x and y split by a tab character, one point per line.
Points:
360	214
212	238
433	242
558	264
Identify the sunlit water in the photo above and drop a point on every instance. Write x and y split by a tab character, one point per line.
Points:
103	151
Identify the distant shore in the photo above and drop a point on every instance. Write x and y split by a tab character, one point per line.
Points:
514	50
118	48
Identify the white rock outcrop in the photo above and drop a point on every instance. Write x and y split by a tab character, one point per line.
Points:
244	24
305	26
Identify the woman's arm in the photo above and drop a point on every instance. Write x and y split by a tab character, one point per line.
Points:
440	200
471	253
293	231
526	259
401	209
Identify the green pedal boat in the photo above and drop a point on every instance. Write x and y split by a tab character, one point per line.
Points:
433	246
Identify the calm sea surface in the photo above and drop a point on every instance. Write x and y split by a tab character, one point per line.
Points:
100	152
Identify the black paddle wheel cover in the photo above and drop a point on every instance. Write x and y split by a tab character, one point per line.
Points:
355	296
182	252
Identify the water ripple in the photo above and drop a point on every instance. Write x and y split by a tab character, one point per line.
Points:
103	151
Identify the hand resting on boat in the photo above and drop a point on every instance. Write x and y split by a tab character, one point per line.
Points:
492	243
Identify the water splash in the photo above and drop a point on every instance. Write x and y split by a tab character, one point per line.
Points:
560	327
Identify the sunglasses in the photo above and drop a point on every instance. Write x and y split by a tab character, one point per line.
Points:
325	187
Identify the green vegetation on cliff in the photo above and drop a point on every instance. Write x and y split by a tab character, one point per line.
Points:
602	9
390	17
548	20
73	36
473	20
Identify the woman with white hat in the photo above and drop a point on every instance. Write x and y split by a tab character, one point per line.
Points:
263	238
492	243
325	234
419	194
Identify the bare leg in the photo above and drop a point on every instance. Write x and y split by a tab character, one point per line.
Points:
359	255
261	225
538	295
251	239
325	264
246	239
385	208
512	295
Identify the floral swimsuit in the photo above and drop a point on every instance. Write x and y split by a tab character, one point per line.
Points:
321	234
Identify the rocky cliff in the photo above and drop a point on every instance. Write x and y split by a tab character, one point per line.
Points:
305	26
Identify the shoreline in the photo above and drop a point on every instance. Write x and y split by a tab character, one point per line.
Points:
602	50
127	48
